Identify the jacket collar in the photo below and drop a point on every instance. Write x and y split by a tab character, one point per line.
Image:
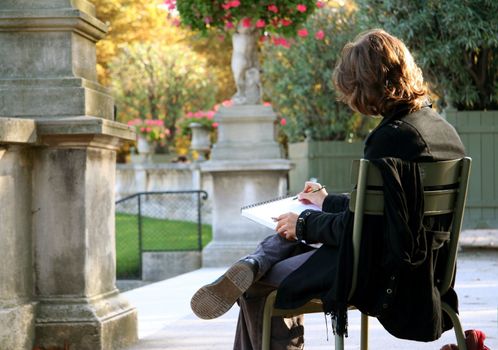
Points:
397	112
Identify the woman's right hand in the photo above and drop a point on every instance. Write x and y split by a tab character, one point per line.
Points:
309	196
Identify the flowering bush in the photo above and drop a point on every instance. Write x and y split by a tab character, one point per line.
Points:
298	80
151	129
282	17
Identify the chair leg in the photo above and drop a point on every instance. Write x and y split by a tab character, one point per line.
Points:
364	332
457	326
339	342
267	315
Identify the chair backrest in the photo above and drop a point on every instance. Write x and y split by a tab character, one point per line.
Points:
445	191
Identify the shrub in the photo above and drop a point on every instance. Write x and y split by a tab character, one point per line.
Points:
298	79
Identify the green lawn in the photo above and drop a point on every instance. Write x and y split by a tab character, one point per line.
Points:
157	235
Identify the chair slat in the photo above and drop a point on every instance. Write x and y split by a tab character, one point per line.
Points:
443	173
436	202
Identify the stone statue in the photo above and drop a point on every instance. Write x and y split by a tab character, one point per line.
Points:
245	66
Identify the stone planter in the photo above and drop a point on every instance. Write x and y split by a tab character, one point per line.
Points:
329	162
479	133
201	142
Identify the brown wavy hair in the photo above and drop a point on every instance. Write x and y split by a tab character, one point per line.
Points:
376	73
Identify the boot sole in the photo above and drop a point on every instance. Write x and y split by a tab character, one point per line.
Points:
215	299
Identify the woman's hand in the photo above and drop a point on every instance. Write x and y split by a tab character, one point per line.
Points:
286	226
314	193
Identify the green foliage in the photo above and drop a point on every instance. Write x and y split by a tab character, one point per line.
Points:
298	80
159	82
203	15
454	42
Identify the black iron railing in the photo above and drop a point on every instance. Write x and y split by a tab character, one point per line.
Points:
157	221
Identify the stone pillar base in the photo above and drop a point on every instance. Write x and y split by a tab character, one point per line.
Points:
16	326
100	324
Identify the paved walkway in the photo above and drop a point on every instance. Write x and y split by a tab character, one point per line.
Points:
166	322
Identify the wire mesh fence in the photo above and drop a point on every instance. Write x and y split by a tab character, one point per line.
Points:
162	221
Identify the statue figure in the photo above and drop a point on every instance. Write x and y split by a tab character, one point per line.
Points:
245	66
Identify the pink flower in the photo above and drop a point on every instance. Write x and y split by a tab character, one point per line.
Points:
171	4
301	8
190	115
282	42
208	19
262	38
227	103
319	4
285	22
260	23
302	32
285	43
229	25
246	22
319	35
266	103
283	122
230	4
134	122
176	22
273	8
215	125
210	114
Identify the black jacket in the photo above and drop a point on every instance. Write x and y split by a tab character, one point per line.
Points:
414	137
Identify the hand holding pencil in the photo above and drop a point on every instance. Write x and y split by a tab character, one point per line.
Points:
313	192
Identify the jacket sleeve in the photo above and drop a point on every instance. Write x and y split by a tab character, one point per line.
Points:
326	226
334	203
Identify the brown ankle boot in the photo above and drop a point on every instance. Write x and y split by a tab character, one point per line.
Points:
214	299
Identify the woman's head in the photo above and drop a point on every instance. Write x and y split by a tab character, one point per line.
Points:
376	72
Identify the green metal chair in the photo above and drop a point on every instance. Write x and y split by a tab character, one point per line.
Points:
443	174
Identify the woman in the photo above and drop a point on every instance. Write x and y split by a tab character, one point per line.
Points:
375	75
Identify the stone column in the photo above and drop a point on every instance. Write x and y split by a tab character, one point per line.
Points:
17	307
246	167
65	198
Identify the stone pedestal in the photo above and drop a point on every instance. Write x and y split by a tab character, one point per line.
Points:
17	307
246	167
74	244
57	163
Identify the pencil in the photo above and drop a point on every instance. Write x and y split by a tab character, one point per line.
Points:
315	190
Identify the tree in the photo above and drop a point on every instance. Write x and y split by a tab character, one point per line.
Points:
454	42
131	21
153	81
298	79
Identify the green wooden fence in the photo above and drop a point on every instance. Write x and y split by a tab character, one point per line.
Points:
479	133
327	161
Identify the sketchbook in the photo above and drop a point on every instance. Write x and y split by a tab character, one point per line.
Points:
263	212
